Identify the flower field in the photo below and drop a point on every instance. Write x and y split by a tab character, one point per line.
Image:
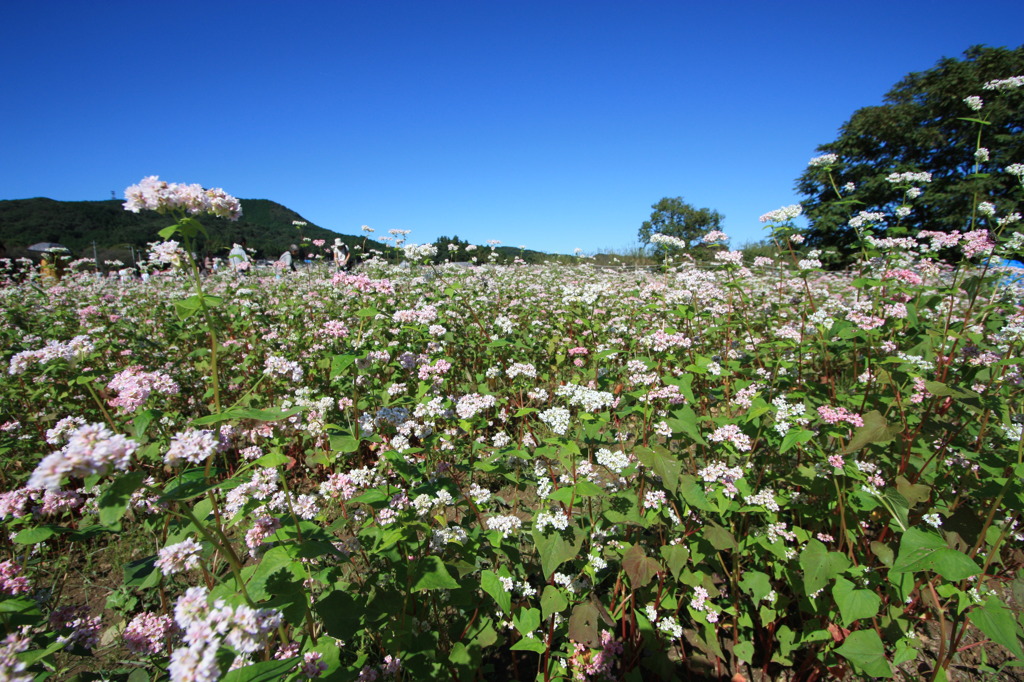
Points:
552	472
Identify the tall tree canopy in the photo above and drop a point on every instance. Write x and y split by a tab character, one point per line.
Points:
676	218
921	127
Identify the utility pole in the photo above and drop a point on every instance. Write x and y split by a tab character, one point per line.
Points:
95	256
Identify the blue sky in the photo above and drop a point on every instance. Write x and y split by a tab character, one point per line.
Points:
550	124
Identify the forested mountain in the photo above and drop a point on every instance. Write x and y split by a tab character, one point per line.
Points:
266	226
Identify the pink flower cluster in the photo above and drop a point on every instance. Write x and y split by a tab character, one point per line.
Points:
91	449
53	350
587	663
84	630
154	194
134	386
149	634
12	582
835	415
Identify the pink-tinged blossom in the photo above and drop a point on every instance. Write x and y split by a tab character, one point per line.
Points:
192	445
731	433
149	634
180	557
12	582
78	629
262	528
10	665
91	449
836	415
977	242
76	348
904	275
134	387
154	194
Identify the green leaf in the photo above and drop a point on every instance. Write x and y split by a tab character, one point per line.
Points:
719	537
555	550
675	557
820	565
686	421
864	649
342	614
794	437
665	464
526	620
168	232
114	501
552	601
639	567
923	551
429	573
583	625
744	651
875	430
529	644
369	311
264	671
31	536
339	363
997	622
853	603
756	584
913	492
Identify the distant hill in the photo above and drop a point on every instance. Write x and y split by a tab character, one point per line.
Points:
266	226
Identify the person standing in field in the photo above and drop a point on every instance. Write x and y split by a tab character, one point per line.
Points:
238	258
288	257
342	256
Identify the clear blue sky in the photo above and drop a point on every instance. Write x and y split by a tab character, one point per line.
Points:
551	124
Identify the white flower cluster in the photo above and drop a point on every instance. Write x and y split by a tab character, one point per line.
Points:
524	369
506	525
153	194
557	520
419	252
91	449
557	418
974	103
668	240
53	350
471	405
207	627
192	445
589	399
908	178
179	557
866	218
765	498
278	366
823	160
166	253
616	461
1005	83
781	215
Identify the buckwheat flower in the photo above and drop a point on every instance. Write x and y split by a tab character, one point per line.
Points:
715	236
278	366
974	103
700	598
557	418
765	498
506	525
1016	169
823	160
134	386
909	178
180	557
731	433
1004	84
557	520
850	187
149	634
866	218
781	215
654	499
933	520
91	449
12	582
981	155
986	208
671	627
312	665
192	445
81	630
63	429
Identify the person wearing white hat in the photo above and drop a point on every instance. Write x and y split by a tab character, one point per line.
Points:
342	256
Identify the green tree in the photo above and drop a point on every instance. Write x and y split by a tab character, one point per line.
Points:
924	125
676	218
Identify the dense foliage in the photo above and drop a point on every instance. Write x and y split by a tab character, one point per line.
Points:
673	217
268	227
924	126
